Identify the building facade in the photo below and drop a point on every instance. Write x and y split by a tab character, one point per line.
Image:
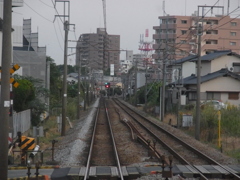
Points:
176	36
98	50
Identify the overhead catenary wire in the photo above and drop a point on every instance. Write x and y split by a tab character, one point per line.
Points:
46	4
37	12
49	19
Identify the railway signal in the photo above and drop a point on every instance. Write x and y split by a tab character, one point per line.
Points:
107	85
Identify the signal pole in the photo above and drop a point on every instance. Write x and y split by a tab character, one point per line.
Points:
5	87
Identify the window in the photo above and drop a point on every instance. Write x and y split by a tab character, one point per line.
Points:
184	32
182	52
213	95
233	95
211	42
233	23
233	33
192	96
184	21
212	32
232	43
212	22
183	41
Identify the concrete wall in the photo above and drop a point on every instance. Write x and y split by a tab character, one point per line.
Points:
224	62
188	68
223	85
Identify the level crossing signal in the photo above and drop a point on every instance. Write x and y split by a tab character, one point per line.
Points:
107	85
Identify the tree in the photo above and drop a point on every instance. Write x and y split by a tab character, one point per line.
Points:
29	95
55	83
23	94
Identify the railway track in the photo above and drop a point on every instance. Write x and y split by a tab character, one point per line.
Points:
181	151
103	150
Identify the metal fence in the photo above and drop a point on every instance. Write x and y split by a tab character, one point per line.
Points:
21	122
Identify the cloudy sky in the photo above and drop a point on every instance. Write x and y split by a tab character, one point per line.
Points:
127	18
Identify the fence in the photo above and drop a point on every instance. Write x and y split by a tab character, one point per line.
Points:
21	122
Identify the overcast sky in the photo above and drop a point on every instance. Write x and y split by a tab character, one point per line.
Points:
127	18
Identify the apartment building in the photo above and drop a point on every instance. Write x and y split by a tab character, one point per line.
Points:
98	51
176	36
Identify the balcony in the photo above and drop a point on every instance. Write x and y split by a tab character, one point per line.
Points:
168	26
164	36
209	46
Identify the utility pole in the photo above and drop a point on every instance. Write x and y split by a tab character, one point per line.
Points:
197	125
5	87
64	98
199	34
79	88
135	84
164	75
145	88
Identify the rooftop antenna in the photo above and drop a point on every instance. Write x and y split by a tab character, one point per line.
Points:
228	7
163	8
185	6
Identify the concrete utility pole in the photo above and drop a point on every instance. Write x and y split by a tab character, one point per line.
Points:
197	125
164	75
79	89
5	87
135	84
64	98
199	34
145	89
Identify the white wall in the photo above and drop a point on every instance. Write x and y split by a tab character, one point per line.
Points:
223	85
206	68
223	62
17	37
188	68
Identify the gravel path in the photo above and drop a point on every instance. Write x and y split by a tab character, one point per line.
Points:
73	144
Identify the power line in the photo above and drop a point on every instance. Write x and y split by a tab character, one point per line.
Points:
176	47
57	37
46	4
37	12
56	11
60	30
49	21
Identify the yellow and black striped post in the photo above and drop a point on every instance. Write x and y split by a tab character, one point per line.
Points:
26	143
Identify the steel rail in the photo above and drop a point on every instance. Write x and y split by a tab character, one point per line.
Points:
185	144
114	146
179	157
86	175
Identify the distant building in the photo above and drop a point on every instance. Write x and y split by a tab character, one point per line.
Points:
97	52
29	56
128	63
138	60
176	37
125	65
